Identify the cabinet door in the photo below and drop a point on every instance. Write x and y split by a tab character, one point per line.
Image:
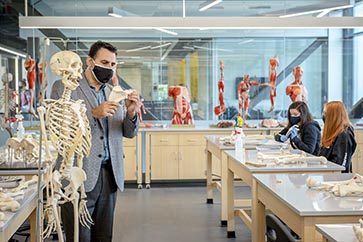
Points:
357	161
192	162
130	164
130	161
164	162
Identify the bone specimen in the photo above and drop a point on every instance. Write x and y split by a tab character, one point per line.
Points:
281	158
67	122
358	231
351	187
118	94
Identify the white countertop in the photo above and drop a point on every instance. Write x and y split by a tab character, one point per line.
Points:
337	232
291	190
251	155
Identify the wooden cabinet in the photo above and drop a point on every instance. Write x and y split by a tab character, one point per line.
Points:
130	161
179	155
176	156
357	159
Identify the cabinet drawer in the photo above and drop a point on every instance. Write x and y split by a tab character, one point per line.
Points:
358	136
191	139
164	140
129	142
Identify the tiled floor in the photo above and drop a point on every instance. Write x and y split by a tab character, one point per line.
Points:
172	214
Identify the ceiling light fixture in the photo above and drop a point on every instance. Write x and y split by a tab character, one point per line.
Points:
160	46
322	12
208	4
115	12
138	49
12	52
246	41
167	31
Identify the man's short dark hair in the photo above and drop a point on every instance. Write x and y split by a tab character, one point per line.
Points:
98	45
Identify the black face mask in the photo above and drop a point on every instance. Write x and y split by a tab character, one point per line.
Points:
294	120
323	118
102	74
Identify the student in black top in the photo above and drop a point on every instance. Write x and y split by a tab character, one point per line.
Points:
302	130
338	143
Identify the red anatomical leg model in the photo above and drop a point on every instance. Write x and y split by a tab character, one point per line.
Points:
221	108
274	63
29	65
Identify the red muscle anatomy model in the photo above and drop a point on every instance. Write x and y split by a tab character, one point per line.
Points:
29	65
274	63
42	79
219	110
182	109
244	95
296	90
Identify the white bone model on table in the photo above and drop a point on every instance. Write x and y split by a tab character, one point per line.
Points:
67	123
352	187
26	150
7	196
283	158
358	231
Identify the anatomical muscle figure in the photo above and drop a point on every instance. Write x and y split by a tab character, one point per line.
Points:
221	108
29	65
274	63
42	78
244	94
69	128
296	90
182	109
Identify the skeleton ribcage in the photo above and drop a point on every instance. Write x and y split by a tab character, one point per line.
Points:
69	126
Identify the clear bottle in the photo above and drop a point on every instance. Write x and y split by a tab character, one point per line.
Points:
239	144
20	130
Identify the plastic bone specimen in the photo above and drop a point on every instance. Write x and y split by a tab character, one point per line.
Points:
66	121
118	94
14	149
358	231
30	150
8	203
351	187
284	159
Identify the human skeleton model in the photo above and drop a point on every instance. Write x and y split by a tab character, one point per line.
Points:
221	108
351	187
244	94
66	121
296	90
29	65
274	63
182	109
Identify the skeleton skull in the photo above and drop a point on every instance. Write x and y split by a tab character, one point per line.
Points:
69	65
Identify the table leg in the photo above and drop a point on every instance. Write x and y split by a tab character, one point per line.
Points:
258	216
230	203
33	226
224	189
209	178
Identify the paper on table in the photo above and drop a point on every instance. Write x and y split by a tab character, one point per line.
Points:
118	94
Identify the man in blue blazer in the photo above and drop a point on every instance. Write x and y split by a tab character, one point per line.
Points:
109	122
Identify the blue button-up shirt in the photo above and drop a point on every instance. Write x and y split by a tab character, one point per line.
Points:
100	98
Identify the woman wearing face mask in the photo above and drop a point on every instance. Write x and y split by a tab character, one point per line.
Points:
304	131
338	143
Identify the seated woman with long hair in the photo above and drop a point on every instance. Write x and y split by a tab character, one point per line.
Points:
302	129
338	143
